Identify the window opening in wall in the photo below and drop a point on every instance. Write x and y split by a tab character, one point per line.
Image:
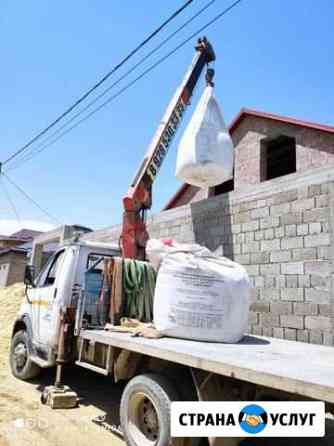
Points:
278	157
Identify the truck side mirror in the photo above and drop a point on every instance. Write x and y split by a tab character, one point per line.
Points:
29	275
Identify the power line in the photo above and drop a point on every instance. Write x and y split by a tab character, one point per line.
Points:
144	73
100	82
10	201
42	146
30	199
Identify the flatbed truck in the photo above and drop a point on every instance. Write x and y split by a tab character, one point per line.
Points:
157	371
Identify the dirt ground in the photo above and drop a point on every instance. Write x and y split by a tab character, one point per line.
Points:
24	421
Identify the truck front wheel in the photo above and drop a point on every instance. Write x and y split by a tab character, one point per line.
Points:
145	410
20	362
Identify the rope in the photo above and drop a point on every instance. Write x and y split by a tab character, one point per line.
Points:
138	286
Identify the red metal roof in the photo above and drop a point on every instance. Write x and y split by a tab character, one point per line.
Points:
176	196
287	120
259	114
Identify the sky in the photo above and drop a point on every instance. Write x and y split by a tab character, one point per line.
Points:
272	55
10	226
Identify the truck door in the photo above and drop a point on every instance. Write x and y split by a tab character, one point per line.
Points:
42	298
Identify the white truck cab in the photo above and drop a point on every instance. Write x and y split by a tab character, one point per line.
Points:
55	286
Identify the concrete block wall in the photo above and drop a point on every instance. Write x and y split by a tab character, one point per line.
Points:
286	248
282	232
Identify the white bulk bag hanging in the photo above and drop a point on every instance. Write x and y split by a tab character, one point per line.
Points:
205	152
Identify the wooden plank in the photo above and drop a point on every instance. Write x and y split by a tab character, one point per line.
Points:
296	367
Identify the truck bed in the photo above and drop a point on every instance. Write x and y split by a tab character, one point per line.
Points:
296	367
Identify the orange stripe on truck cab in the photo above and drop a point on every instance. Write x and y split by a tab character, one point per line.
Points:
40	302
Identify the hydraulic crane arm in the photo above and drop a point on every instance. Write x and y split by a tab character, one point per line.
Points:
139	196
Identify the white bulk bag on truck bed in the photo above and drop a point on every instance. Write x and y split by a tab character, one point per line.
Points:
201	296
205	152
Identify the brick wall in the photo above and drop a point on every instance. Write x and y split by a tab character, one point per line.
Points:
314	148
282	232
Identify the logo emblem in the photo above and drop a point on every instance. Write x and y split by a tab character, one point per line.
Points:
253	419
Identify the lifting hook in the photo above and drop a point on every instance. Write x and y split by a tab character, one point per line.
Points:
210	72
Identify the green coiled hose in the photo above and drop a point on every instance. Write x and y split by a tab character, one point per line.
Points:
138	287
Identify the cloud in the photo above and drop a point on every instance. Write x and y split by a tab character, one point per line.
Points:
8	227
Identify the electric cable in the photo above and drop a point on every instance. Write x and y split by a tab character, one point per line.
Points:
10	201
30	199
143	74
100	82
35	150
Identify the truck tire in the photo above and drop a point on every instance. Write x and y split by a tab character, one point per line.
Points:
145	411
21	365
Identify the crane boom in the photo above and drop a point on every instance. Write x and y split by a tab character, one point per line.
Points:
139	196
